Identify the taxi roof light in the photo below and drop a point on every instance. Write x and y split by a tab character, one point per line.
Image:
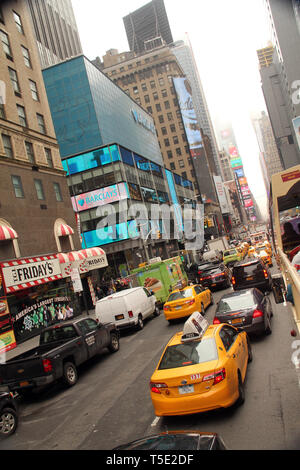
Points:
194	327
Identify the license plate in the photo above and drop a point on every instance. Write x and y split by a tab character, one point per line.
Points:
119	317
177	307
24	384
250	278
186	389
236	320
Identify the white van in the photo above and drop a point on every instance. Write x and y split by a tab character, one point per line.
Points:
127	308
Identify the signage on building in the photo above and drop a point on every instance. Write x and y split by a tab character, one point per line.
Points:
100	197
236	162
221	194
30	272
146	123
7	337
76	280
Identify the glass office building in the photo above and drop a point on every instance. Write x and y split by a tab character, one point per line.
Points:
111	156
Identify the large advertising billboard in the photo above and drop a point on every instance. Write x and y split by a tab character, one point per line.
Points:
191	125
221	195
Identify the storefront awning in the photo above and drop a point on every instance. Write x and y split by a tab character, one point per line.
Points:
64	230
95	258
84	260
7	233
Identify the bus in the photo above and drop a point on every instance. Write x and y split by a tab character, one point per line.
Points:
284	209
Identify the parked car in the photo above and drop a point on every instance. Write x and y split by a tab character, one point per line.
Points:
196	269
8	412
128	308
177	440
62	348
183	302
202	368
217	276
249	310
251	273
230	257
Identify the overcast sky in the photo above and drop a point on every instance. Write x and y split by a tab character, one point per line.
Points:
224	35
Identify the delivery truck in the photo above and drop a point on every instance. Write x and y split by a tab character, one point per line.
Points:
162	277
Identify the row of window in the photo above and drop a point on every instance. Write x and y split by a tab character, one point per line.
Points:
8	51
23	119
8	149
17	20
19	192
16	85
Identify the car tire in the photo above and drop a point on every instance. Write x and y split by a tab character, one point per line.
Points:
140	323
156	312
241	390
8	422
250	353
268	329
211	300
114	344
70	376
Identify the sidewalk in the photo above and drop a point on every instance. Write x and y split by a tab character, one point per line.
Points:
34	342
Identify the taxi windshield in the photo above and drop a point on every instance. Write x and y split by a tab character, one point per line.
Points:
182	294
186	354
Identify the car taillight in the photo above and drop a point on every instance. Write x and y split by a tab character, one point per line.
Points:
216	321
190	302
265	274
47	365
233	280
216	376
166	307
156	387
257	314
130	314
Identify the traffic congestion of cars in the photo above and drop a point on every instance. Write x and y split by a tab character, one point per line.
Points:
203	367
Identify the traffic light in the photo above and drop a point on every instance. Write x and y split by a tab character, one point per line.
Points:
158	234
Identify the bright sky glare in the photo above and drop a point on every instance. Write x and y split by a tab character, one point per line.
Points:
224	35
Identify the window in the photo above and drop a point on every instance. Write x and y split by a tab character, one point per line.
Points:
41	123
5	44
34	92
161	81
18	22
135	90
161	118
181	163
164	131
167	105
49	157
22	115
184	175
175	139
152	84
169	153
39	189
30	152
149	109
158	107
155	95
170	116
144	87
26	56
164	93
14	80
172	166
57	192
172	128
147	99
2	111
1	16
167	142
17	185
178	151
228	336
7	145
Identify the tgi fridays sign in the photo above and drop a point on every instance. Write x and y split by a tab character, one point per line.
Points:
24	273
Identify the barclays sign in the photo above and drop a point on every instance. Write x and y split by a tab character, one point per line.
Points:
143	121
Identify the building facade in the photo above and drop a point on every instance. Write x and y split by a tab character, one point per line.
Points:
55	29
109	145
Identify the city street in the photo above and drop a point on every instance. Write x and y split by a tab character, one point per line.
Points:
111	405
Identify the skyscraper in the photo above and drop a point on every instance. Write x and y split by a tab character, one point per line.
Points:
148	27
55	30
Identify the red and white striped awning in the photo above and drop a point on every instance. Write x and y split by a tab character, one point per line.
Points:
7	233
91	252
70	257
64	230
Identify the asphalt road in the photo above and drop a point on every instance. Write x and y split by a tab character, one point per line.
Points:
110	405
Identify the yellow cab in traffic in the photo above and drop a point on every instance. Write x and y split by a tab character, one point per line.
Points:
202	368
268	247
244	248
262	253
183	302
251	251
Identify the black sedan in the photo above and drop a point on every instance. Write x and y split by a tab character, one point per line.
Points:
247	309
215	277
8	413
177	440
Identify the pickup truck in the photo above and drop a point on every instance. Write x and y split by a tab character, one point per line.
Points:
62	348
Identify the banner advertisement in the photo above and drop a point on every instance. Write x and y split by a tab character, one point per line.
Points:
100	197
191	125
7	337
221	194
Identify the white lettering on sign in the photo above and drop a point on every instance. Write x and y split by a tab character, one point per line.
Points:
143	121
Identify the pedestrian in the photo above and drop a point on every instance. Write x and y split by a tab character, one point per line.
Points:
69	311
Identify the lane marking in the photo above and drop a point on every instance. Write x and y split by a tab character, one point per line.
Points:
155	421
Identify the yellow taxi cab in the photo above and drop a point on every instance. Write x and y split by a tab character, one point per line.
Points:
251	251
183	302
268	247
202	368
262	253
244	248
